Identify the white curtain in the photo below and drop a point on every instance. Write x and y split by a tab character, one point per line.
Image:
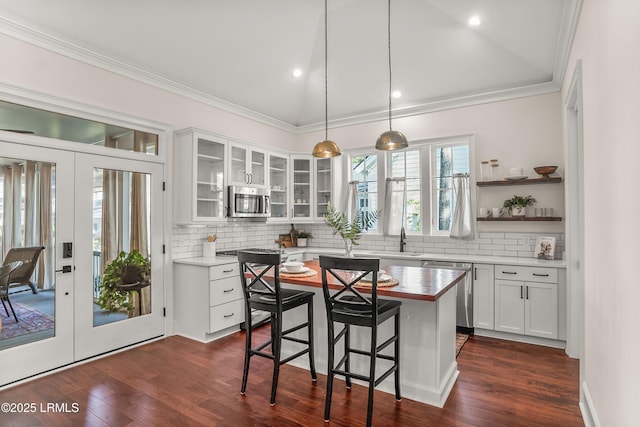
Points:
352	199
463	225
29	224
395	202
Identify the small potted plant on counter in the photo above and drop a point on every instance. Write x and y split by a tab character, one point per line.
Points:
517	204
302	237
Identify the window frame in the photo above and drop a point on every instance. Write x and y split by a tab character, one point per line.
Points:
427	192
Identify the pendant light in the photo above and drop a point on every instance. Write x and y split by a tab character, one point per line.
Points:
391	139
326	148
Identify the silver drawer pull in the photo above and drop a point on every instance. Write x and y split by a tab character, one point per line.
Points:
226	316
541	275
228	271
509	272
228	290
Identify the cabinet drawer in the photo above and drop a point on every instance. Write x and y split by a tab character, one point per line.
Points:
226	315
527	274
224	290
221	271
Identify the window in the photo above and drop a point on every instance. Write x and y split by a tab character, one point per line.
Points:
446	161
364	170
428	168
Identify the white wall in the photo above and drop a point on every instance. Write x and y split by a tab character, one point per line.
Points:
31	67
607	44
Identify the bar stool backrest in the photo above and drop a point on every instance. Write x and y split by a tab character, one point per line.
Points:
348	272
254	266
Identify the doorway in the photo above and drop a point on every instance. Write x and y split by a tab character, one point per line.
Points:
66	299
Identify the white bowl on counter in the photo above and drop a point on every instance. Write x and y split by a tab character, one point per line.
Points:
293	266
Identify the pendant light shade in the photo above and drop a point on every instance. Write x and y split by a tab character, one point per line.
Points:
326	148
392	139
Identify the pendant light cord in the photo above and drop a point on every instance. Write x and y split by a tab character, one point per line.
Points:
326	85
389	46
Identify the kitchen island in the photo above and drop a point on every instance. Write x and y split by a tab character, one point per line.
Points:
428	366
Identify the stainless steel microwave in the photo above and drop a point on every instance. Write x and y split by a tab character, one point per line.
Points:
248	202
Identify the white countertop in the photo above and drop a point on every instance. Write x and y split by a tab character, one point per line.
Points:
478	259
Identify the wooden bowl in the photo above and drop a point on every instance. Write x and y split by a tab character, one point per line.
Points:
545	171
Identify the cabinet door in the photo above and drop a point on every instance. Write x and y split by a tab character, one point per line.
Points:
541	310
238	164
509	306
209	186
278	183
324	183
301	195
258	167
483	296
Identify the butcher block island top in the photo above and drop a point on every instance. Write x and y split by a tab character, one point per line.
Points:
421	283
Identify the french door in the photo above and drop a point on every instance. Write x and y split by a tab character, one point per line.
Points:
114	198
97	202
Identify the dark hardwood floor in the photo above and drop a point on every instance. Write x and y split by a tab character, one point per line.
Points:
179	382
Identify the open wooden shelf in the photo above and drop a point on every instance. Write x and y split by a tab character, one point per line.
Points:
550	180
523	218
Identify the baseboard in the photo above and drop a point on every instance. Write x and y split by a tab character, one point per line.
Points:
520	338
589	415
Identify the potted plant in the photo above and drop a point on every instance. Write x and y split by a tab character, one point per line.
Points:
302	236
126	268
517	204
349	229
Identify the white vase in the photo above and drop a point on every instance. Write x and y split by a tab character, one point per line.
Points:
518	211
302	242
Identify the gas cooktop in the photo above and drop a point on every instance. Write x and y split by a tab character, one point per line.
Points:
234	252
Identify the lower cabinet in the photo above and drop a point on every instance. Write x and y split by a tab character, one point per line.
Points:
208	300
526	301
483	296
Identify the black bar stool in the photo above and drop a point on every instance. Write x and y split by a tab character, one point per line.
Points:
267	295
351	307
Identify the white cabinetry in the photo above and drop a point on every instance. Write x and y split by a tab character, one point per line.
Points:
301	185
247	165
526	300
208	299
199	177
279	184
483	296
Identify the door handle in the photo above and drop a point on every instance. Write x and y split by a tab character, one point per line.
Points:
65	269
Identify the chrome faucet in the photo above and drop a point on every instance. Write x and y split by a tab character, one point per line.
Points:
403	236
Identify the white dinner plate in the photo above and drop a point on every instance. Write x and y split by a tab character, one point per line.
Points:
516	177
382	277
304	269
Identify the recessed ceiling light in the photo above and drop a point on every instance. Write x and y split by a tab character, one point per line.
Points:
474	21
396	94
297	72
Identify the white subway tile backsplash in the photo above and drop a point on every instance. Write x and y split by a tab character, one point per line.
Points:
187	242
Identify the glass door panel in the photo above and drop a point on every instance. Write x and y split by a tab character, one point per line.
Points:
120	288
36	217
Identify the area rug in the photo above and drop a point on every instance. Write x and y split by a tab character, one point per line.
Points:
460	340
30	321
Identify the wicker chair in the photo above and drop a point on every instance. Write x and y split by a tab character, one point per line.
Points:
29	257
5	273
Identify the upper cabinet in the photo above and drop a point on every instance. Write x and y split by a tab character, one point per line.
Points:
301	185
247	165
279	184
324	186
199	177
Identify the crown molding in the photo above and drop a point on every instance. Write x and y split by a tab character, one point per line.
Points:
570	18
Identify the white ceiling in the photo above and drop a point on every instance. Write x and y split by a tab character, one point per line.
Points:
240	54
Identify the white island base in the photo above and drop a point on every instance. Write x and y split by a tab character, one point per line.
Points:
428	368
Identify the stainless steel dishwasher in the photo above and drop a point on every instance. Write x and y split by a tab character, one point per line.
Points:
464	292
